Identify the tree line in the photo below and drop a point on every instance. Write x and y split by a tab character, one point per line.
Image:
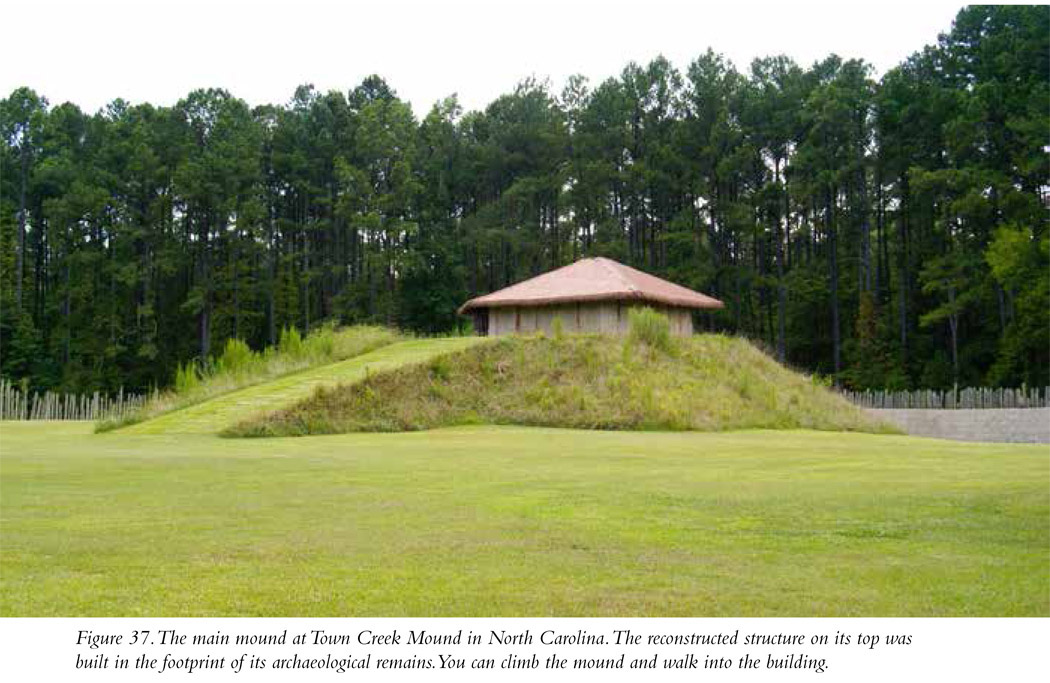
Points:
889	234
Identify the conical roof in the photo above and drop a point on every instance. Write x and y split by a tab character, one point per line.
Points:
593	279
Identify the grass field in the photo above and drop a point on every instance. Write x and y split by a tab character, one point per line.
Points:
484	521
213	415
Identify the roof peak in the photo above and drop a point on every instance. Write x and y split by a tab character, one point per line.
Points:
595	278
614	268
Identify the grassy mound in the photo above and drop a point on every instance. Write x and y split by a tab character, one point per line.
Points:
707	383
238	367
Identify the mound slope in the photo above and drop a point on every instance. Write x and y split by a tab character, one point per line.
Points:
707	383
221	412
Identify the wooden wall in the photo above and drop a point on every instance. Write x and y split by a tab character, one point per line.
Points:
602	317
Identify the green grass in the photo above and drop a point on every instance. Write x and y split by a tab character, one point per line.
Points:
485	521
217	413
706	382
238	367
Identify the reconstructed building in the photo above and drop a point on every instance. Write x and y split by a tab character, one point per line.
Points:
592	295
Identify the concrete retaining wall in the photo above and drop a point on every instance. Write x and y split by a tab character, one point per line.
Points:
1014	425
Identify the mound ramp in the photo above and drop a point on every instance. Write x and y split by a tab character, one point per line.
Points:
218	413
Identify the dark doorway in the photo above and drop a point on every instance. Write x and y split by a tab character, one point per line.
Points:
481	321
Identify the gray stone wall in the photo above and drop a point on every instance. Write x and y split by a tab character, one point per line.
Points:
1003	425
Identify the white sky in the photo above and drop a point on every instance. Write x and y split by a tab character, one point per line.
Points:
91	52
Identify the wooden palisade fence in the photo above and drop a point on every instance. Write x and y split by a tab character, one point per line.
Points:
18	405
954	399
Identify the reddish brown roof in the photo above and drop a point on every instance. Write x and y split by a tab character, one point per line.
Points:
593	279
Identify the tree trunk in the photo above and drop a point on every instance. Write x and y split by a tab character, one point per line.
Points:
881	255
833	263
865	229
204	319
235	269
66	310
779	236
271	307
953	326
21	247
902	221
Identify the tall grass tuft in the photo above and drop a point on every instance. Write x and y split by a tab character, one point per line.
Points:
237	358
187	377
290	343
651	329
557	328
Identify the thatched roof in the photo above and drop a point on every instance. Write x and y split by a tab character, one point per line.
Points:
593	279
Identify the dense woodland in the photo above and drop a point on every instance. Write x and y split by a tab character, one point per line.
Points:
887	233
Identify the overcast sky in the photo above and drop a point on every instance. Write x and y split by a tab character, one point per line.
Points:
90	52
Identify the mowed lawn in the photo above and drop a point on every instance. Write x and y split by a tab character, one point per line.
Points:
486	521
